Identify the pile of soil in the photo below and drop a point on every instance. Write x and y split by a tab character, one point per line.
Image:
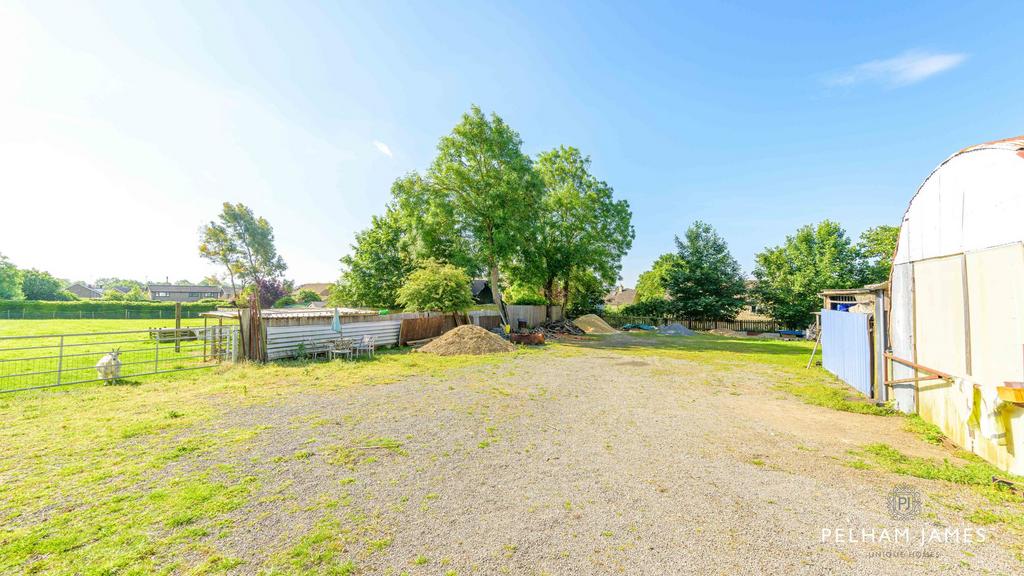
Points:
727	332
675	329
467	339
593	324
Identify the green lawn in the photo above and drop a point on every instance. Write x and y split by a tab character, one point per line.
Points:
33	361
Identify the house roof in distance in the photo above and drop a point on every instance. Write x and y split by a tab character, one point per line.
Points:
182	288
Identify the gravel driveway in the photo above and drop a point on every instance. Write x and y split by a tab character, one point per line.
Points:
590	461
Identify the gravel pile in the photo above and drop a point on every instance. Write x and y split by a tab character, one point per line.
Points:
675	329
593	324
467	339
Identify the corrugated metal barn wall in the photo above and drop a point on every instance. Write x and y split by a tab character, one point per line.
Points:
846	348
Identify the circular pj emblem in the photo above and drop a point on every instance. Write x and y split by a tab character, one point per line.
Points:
904	502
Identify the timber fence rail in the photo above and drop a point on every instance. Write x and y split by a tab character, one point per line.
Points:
33	362
619	320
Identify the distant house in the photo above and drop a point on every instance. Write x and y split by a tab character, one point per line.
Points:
620	296
184	292
322	289
85	291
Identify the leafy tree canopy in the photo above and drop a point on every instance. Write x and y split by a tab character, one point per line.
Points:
438	287
487	185
705	281
380	262
876	248
790	277
583	229
243	243
36	285
651	284
10	280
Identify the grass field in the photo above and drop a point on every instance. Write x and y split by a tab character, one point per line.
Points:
33	361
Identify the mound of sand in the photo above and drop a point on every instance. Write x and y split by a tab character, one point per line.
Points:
467	339
675	329
593	324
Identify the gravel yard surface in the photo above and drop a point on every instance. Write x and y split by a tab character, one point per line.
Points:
594	458
597	463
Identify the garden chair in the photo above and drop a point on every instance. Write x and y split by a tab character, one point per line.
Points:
343	347
367	344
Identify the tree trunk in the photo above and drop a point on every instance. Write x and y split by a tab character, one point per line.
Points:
565	295
549	295
496	292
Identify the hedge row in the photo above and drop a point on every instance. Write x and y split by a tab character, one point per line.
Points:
15	309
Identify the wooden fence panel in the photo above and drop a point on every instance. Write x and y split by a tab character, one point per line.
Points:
532	315
420	328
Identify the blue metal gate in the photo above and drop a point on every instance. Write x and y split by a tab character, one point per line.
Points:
846	348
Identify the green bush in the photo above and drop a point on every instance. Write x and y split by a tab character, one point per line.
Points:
656	308
284	302
307	296
438	287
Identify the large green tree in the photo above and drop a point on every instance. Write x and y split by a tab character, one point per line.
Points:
790	277
482	178
10	280
378	266
244	244
705	281
437	287
584	232
36	285
876	248
651	284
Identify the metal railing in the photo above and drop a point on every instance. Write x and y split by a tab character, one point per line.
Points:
33	362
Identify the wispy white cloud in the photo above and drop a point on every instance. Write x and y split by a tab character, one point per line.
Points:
903	70
384	148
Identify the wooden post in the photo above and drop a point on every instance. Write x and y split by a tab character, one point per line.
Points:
177	327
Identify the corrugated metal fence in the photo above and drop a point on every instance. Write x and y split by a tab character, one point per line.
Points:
289	341
846	348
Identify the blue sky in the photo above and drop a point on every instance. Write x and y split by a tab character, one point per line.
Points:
126	124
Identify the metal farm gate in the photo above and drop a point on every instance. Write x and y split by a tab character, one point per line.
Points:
846	348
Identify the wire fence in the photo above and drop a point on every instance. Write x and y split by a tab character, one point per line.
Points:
32	362
103	314
619	320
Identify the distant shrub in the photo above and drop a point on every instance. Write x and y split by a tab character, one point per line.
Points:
656	307
284	302
98	309
307	296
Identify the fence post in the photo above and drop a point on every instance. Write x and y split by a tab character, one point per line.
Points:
156	361
60	359
177	327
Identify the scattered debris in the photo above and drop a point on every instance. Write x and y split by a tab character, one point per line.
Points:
467	339
594	324
675	329
561	327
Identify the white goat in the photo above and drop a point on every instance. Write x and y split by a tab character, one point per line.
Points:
109	367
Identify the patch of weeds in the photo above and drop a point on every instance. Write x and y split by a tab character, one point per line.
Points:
302	455
174	414
971	473
421	560
757	462
858	464
346	481
607	533
834	397
928	432
984	517
378	545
